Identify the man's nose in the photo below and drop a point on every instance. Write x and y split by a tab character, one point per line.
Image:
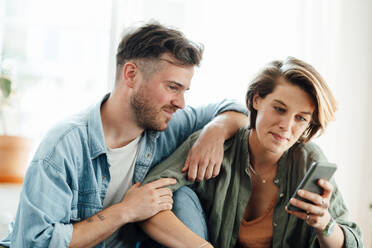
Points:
179	101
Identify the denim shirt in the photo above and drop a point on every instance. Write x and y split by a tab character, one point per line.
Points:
68	177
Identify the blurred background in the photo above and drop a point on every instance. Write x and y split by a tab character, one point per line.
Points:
61	57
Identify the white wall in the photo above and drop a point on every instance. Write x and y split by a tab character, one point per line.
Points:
354	72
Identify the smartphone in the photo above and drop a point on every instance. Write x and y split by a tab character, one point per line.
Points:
318	170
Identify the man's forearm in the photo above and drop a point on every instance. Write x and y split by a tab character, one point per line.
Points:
97	228
168	230
229	123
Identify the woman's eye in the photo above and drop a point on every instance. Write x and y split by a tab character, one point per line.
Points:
300	118
279	109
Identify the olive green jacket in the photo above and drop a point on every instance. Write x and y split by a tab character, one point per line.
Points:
225	197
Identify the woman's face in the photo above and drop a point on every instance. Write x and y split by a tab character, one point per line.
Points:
282	116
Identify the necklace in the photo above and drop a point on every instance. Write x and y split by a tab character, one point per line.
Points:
263	180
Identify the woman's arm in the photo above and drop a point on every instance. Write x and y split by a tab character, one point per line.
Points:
168	230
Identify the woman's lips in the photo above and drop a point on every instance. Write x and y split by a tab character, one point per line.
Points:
278	137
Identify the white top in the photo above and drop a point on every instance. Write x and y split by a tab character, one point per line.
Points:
122	161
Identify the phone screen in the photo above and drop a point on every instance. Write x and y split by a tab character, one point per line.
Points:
318	170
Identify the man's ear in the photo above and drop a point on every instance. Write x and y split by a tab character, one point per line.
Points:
129	72
256	101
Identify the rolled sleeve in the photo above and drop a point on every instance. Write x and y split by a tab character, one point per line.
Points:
43	216
351	230
61	236
352	236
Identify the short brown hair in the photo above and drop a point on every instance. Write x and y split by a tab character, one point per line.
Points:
152	40
298	73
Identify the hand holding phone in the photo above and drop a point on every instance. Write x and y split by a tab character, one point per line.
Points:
318	170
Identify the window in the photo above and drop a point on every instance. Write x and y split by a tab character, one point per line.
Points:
57	53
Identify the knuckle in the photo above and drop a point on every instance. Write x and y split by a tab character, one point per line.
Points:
204	162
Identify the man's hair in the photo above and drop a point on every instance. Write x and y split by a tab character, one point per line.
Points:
303	75
150	41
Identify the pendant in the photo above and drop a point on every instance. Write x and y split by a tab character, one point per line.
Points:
263	180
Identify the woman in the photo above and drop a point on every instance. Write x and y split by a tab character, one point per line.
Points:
263	164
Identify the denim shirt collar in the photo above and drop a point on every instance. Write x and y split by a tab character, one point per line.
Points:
96	139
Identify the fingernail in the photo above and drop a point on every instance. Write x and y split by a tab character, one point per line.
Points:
300	192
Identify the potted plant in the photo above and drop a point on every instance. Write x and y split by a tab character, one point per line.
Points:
14	150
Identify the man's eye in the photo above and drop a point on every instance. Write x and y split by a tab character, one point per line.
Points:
279	109
173	88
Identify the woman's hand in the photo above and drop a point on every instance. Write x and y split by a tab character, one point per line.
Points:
316	212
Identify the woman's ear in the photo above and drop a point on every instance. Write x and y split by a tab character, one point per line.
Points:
256	101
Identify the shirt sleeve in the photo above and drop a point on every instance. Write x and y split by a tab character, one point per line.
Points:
47	224
171	167
189	120
340	213
337	208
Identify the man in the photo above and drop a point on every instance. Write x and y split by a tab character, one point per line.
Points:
79	192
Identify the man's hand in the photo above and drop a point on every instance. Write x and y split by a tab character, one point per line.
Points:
142	202
206	155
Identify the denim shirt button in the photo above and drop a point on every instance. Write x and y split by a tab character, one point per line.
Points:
148	155
274	224
276	181
281	195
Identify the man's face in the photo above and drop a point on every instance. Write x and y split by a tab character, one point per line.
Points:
158	97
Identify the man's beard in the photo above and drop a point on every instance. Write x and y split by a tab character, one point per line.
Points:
146	114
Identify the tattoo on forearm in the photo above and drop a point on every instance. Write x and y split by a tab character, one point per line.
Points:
100	216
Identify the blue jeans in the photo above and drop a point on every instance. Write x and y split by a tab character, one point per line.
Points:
187	207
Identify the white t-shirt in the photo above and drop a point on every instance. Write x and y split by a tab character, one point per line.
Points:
122	161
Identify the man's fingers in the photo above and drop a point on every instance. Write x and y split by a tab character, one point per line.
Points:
202	168
209	170
187	163
162	182
165	206
164	192
216	169
165	199
165	203
193	170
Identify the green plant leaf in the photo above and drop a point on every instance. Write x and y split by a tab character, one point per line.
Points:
5	86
